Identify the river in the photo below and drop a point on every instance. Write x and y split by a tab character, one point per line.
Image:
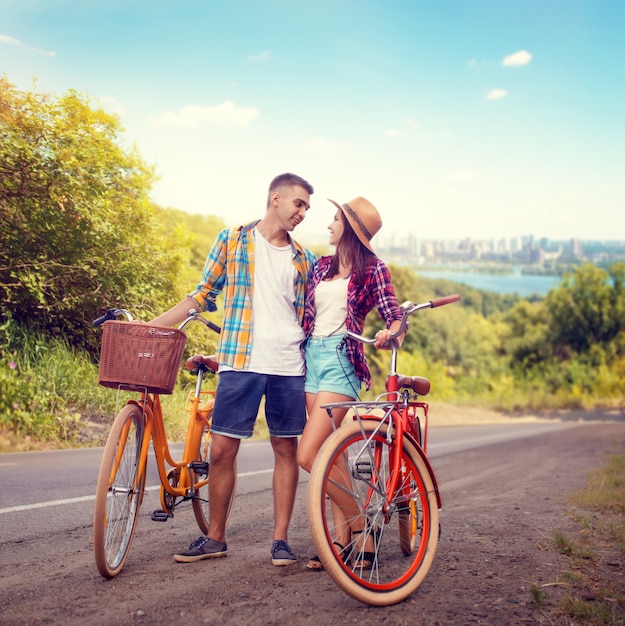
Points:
515	283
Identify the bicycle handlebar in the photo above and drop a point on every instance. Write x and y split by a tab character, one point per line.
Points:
192	316
408	309
112	314
445	300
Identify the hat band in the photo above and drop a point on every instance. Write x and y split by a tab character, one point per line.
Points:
358	221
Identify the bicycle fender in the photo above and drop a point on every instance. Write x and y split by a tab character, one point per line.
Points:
430	470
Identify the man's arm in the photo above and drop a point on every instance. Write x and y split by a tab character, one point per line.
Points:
178	313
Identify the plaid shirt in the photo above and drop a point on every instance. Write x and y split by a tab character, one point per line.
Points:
377	290
230	267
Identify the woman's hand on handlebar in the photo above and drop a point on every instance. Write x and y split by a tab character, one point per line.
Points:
383	337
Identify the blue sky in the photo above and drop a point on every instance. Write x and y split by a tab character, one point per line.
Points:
456	118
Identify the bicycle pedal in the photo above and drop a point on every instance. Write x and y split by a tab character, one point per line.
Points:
362	469
199	467
161	516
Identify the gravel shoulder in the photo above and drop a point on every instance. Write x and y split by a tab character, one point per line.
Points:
502	505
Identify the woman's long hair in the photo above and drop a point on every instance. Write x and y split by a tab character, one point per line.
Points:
352	252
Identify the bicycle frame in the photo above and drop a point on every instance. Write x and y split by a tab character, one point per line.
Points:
154	431
138	424
373	471
150	405
397	416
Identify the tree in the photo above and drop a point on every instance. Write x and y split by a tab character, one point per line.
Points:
586	311
526	332
77	228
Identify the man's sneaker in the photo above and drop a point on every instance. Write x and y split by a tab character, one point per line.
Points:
202	548
281	553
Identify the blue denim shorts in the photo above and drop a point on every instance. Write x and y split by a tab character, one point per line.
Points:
238	397
327	368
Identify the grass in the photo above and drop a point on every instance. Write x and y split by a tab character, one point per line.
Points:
592	594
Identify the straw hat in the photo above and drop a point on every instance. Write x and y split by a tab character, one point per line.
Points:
363	217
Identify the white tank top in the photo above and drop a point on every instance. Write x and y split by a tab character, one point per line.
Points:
276	332
330	307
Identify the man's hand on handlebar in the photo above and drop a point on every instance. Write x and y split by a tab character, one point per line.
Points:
197	359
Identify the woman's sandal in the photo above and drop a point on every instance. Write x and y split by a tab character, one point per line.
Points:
314	564
363	560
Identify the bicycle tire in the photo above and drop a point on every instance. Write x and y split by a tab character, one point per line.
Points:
201	504
119	492
364	452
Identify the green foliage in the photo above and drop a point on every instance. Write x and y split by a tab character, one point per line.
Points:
78	231
588	311
46	386
195	235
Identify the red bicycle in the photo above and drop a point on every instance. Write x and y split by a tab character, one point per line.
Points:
372	473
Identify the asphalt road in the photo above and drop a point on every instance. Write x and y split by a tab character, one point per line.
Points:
58	486
493	478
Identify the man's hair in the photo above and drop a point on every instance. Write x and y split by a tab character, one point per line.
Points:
289	180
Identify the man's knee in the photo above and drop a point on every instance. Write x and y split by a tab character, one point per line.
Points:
223	449
285	447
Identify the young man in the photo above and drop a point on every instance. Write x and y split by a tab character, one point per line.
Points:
263	273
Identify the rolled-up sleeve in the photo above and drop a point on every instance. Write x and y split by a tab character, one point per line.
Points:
213	276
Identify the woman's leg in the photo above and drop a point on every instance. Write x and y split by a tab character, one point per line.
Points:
318	428
348	518
319	425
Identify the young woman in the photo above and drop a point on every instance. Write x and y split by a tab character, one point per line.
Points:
343	288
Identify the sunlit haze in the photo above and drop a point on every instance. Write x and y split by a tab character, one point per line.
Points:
456	118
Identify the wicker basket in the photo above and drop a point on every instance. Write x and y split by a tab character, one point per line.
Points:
139	356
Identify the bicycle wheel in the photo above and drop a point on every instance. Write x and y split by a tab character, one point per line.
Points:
119	492
201	505
354	466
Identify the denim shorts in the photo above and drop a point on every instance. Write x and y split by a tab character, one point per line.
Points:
238	398
327	369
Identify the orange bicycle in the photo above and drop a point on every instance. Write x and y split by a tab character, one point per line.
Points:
372	473
146	359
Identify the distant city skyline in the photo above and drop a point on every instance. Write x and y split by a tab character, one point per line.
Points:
525	250
397	240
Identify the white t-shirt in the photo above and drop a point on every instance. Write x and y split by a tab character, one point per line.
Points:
330	307
276	332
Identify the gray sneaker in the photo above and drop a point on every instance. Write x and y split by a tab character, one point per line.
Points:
281	553
202	548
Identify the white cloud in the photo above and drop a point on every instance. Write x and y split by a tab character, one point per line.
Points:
225	115
518	59
18	44
392	132
497	94
326	147
265	55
